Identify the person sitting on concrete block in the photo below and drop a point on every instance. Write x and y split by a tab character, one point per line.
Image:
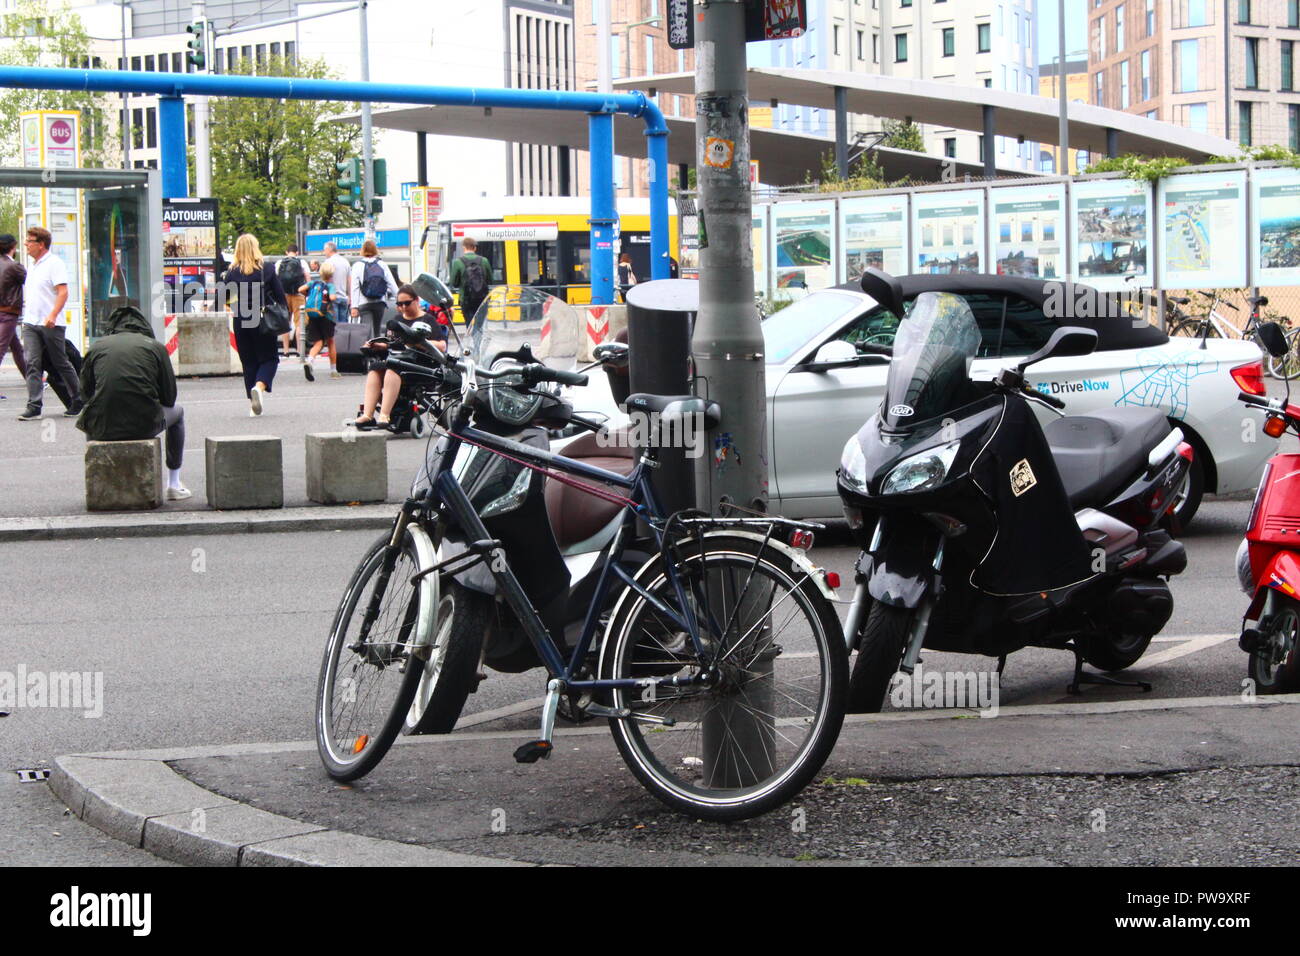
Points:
129	389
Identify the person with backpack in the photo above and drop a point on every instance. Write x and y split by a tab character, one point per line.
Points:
626	277
471	277
318	307
292	277
373	286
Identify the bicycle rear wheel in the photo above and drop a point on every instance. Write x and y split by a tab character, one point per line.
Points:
755	732
370	670
1287	367
1193	329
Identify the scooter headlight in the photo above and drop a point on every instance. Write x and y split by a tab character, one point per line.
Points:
921	472
853	466
1244	575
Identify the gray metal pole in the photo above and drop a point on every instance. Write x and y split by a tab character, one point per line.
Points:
367	154
727	346
126	111
1227	70
990	134
1063	134
841	132
202	144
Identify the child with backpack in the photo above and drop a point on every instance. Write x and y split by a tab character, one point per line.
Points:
318	299
373	287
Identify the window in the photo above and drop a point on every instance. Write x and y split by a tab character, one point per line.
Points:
949	41
135	64
999	19
835	39
148	64
151	128
950	147
1151	18
988	81
1243	11
1101	37
982	37
290	51
1293	13
1098	89
1288	66
1196	13
179	63
1252	63
1123	86
275	49
1244	132
904	3
1293	126
1119	28
1145	61
861	46
1187	66
1198	117
900	47
875	48
137	129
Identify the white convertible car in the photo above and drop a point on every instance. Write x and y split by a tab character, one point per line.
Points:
827	356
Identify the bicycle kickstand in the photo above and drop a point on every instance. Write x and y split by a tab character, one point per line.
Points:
538	749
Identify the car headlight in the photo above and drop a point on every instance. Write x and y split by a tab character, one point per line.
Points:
921	472
853	465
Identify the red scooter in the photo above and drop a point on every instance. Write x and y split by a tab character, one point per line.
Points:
1268	561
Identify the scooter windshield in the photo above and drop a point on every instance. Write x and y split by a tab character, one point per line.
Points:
929	374
512	316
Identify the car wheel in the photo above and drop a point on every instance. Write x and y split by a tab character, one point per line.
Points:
1188	498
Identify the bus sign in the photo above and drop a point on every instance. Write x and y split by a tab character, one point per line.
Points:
506	231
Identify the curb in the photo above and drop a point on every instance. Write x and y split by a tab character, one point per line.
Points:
136	797
77	527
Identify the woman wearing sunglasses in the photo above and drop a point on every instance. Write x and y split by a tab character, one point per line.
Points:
383	384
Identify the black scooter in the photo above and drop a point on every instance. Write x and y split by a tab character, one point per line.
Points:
983	532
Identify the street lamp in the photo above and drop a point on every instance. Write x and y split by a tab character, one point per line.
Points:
1059	61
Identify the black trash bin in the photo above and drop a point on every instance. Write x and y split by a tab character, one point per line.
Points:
660	322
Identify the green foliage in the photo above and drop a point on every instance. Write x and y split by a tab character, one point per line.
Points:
275	159
35	36
866	173
1146	168
1262	154
900	134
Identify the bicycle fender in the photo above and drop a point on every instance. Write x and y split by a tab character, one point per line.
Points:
427	556
477	577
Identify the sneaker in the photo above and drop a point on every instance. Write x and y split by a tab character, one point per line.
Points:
74	411
335	373
255	400
29	414
179	493
306	370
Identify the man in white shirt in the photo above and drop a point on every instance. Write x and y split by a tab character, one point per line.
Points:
45	293
341	282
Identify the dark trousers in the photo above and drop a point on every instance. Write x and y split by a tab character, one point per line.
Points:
48	347
11	341
174	438
258	353
373	312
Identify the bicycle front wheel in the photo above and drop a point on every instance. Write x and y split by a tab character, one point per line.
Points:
371	666
1193	329
757	714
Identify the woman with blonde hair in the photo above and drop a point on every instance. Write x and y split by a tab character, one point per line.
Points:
373	288
246	287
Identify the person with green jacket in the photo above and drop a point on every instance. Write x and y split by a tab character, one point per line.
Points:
129	390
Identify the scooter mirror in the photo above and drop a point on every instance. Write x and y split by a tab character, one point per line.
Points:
1067	341
432	289
1273	339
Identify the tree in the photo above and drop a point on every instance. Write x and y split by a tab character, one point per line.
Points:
33	35
275	159
900	134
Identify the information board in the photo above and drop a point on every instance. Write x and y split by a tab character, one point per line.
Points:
1111	219
1203	230
803	244
1275	226
948	232
873	233
1026	231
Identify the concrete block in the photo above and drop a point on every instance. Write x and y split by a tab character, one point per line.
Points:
244	471
124	475
349	466
203	343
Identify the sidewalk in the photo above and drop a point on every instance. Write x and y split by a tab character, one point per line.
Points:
1193	781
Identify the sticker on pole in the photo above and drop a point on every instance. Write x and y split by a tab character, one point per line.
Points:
719	153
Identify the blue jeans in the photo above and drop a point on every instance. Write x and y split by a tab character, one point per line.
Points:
341	312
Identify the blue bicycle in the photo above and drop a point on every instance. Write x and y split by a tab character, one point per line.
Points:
710	644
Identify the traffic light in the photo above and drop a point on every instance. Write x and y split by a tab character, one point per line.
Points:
197	57
349	183
379	172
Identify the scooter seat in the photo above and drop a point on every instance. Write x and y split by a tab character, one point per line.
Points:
1098	454
575	515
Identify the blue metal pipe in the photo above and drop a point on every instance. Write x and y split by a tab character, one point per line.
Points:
634	104
604	210
171	140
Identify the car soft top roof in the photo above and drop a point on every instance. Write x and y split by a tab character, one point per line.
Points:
1112	333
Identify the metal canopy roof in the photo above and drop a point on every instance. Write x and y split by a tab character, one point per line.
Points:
784	158
961	107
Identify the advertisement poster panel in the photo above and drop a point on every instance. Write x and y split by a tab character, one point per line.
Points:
1025	231
1111	219
114	230
51	140
758	243
1275	226
803	244
873	231
1203	225
189	237
948	232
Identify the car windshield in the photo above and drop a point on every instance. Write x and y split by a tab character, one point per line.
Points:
933	350
787	331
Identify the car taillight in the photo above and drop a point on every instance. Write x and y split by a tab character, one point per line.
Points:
1250	378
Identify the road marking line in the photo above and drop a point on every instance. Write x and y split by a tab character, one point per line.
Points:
1190	647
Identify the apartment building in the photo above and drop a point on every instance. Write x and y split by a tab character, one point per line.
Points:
1185	62
981	43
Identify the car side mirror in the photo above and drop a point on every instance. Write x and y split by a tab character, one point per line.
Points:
1067	341
840	354
1273	339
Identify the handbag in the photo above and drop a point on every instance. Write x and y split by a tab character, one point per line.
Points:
275	318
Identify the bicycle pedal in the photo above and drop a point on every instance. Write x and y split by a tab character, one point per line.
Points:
533	751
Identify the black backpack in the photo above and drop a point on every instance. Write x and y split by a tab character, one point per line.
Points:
474	285
291	274
374	284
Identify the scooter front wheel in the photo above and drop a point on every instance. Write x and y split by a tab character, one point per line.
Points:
879	654
1275	662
